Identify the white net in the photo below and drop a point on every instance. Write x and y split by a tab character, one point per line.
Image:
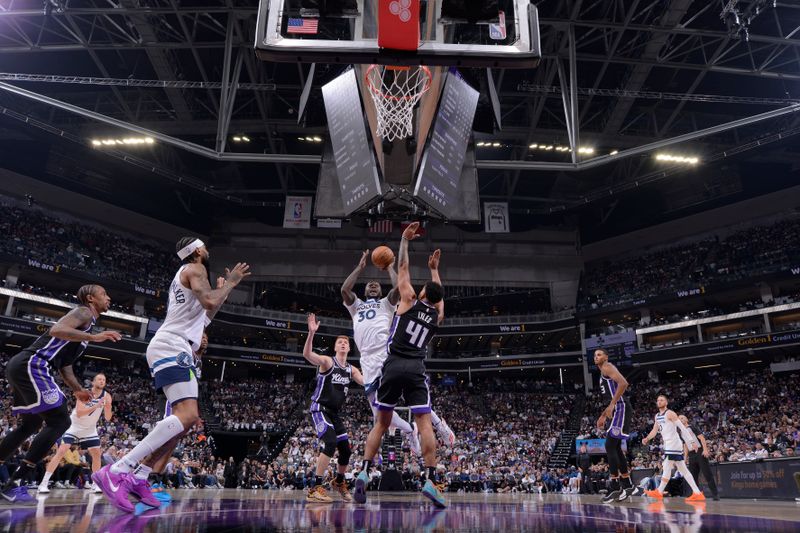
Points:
395	91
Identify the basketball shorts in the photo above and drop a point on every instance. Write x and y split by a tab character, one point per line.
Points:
674	456
621	421
326	420
171	364
87	438
32	385
404	378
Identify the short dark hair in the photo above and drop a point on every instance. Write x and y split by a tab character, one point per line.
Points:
86	291
601	350
434	292
664	395
183	243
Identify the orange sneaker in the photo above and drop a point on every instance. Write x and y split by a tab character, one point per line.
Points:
658	495
696	497
319	494
342	490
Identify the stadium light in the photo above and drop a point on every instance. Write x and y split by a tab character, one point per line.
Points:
126	141
586	150
670	158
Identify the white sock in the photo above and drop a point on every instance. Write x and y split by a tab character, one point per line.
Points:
46	478
663	484
436	421
404	427
142	472
687	476
161	434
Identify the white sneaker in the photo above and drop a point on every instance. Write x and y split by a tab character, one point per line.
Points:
445	433
413	441
43	488
58	485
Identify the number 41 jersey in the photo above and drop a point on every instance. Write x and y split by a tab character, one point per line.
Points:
413	330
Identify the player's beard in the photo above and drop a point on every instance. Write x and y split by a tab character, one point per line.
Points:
206	263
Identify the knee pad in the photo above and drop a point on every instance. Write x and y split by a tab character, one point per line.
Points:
343	447
329	443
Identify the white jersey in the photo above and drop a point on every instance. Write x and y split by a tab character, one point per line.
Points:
371	322
669	434
186	317
88	422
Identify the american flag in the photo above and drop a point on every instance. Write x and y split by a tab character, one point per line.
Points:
302	26
382	226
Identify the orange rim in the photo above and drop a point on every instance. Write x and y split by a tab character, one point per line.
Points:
380	93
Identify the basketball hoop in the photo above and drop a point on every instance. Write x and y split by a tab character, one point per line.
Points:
395	91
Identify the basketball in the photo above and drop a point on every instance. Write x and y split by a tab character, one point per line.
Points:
382	257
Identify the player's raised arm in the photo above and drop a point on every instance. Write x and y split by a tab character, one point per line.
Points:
433	264
404	287
394	294
324	363
348	296
210	298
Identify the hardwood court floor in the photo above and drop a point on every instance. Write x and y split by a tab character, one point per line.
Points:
238	510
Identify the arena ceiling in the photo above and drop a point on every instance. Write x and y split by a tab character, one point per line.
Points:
647	70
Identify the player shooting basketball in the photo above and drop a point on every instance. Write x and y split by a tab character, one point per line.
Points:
403	374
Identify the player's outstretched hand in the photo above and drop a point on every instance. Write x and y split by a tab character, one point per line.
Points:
313	323
433	260
104	336
645	440
83	395
362	263
238	273
410	233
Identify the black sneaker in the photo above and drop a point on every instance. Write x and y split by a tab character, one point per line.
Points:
611	496
626	493
637	491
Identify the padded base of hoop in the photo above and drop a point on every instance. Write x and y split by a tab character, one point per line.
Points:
398	24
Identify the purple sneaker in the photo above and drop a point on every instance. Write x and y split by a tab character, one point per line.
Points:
18	496
141	489
115	487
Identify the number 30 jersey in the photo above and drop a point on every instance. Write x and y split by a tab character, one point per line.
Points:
371	321
413	330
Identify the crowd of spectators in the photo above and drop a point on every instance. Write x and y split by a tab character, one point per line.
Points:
254	404
55	240
744	254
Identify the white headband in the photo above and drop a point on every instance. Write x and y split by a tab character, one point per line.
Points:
189	249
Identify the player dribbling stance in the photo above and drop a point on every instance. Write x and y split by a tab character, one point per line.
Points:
333	379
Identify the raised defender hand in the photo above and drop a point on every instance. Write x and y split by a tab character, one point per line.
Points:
433	260
313	323
410	233
362	263
238	273
104	336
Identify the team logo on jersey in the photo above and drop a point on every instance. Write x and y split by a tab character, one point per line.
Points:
615	432
338	379
50	396
185	360
320	425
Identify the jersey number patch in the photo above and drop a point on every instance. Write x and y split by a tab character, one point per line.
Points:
418	334
366	315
